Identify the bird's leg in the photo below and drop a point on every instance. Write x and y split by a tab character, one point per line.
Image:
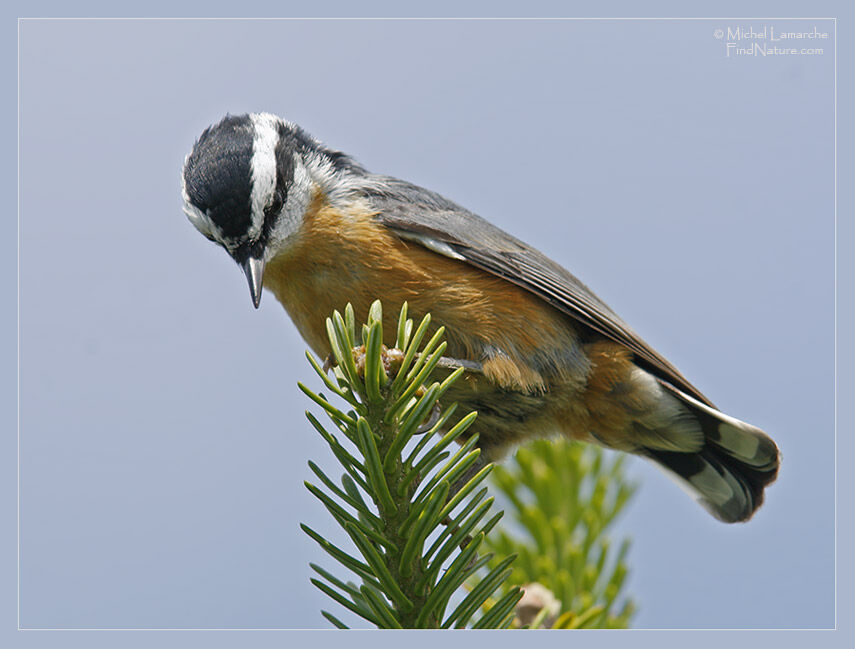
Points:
435	414
448	364
454	363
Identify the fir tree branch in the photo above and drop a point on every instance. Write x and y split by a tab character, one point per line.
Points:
396	493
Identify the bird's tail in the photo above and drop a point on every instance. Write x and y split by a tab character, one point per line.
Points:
728	474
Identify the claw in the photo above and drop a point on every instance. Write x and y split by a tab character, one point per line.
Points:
329	361
435	414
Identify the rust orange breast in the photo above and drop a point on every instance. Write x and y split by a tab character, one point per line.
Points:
339	257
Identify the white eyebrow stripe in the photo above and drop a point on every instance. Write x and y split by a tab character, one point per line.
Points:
265	137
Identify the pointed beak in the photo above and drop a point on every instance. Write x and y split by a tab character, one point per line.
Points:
254	269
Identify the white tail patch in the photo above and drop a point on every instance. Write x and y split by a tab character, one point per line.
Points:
719	493
713	485
737	439
742	445
666	424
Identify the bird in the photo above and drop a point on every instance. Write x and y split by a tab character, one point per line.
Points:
317	229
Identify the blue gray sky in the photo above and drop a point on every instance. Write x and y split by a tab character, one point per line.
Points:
163	446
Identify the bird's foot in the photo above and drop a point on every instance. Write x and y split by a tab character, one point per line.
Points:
455	363
435	414
329	363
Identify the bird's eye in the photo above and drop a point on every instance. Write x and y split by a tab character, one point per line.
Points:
275	205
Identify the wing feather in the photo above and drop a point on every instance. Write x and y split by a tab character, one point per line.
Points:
417	214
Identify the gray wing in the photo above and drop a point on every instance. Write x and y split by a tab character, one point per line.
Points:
417	214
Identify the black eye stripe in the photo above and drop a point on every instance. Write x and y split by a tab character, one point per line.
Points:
271	214
275	206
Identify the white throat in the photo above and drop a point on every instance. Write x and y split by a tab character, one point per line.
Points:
300	194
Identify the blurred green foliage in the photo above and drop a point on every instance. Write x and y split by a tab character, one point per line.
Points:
564	496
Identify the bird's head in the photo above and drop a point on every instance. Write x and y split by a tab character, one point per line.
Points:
247	185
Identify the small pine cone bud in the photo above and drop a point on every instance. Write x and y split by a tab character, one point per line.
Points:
537	597
358	354
392	359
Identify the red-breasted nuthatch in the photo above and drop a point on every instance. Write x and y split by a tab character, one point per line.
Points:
318	230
